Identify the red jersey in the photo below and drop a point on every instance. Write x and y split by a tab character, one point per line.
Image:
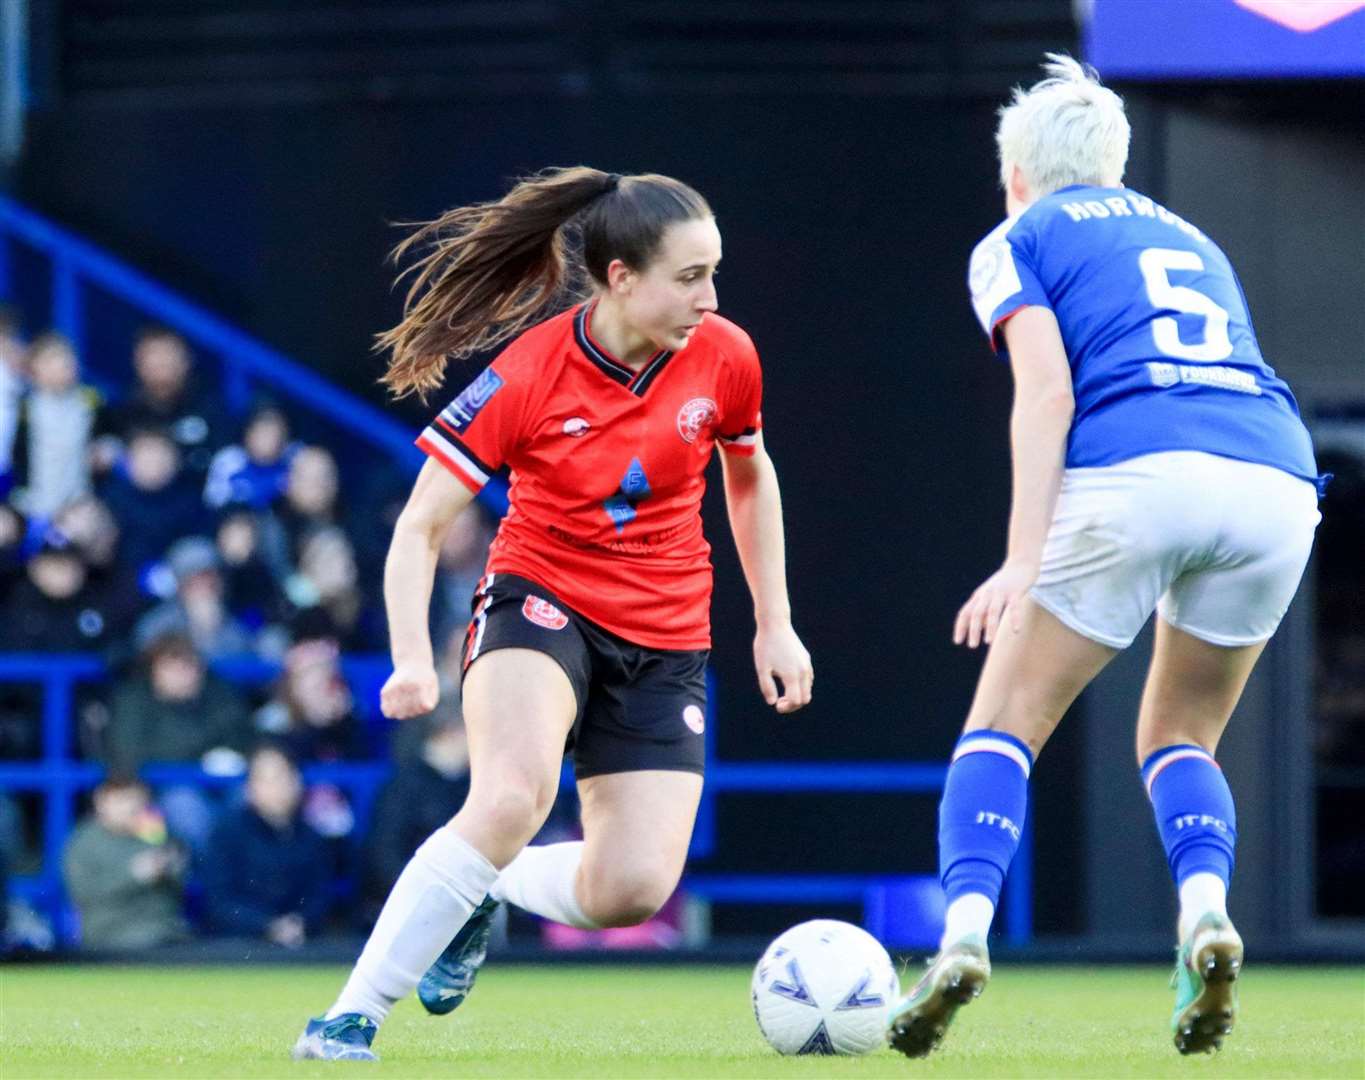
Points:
608	468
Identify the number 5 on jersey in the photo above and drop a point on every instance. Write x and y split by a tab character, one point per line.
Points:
1156	265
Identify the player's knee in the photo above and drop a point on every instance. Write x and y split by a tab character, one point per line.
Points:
516	806
628	897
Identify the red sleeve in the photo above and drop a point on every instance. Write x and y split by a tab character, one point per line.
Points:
475	434
741	417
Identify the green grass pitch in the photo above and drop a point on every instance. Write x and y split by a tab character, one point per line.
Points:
603	1022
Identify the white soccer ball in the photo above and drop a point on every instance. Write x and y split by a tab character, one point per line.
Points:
824	987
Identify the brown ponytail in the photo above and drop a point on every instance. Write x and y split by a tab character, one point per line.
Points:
492	269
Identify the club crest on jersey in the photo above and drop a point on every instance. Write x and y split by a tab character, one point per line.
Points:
694	718
694	417
543	613
575	427
460	413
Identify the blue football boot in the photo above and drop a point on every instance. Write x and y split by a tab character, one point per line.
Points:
343	1038
451	977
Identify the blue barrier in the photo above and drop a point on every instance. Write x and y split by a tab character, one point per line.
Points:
887	901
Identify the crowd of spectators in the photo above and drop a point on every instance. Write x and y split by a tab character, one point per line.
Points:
144	522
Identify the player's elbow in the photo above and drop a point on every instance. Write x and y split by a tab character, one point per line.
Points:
1050	402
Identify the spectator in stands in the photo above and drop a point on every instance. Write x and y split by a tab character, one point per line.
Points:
424	793
256	472
55	608
13	384
124	873
152	497
87	524
174	710
459	566
328	583
57	418
310	501
311	712
198	608
253	592
269	872
165	397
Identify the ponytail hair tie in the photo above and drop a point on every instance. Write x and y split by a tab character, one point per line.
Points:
613	182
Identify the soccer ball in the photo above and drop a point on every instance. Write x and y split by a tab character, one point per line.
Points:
824	987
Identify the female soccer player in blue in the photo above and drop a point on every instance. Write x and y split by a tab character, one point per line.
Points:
1158	464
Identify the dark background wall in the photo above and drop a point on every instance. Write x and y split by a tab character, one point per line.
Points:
256	164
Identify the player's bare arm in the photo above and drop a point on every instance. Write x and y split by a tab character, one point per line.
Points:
1041	417
754	502
409	571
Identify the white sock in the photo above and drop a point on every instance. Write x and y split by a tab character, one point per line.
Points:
1199	895
969	914
444	881
541	880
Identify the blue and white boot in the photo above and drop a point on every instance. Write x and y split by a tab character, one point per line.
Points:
450	978
343	1038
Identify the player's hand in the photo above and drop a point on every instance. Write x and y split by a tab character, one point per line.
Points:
412	690
779	656
996	599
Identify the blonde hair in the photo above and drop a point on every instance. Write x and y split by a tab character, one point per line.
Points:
1067	129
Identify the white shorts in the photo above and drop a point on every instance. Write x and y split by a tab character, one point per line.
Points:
1216	545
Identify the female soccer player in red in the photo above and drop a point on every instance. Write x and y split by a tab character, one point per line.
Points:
591	626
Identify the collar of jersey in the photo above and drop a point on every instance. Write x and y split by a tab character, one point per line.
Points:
637	382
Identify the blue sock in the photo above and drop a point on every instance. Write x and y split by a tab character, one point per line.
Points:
984	802
1194	811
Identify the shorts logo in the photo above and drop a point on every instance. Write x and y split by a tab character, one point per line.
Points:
576	427
543	613
694	718
694	417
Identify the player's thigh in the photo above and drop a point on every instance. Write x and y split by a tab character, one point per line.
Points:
526	678
1192	688
1238	595
1031	676
636	830
518	707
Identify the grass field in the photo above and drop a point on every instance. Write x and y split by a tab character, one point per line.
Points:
650	1022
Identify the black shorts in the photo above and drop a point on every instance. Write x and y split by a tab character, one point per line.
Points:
638	708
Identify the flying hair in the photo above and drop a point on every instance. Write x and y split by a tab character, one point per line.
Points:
484	273
1067	129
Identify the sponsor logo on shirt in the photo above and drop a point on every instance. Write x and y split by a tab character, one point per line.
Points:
461	412
576	427
694	718
543	613
695	416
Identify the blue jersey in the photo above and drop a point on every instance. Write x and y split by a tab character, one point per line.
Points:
1162	353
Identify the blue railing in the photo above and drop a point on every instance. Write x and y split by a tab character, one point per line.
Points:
900	909
76	264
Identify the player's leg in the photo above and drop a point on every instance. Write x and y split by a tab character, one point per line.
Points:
639	755
518	708
636	830
1027	683
1192	688
1029	680
1214	622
